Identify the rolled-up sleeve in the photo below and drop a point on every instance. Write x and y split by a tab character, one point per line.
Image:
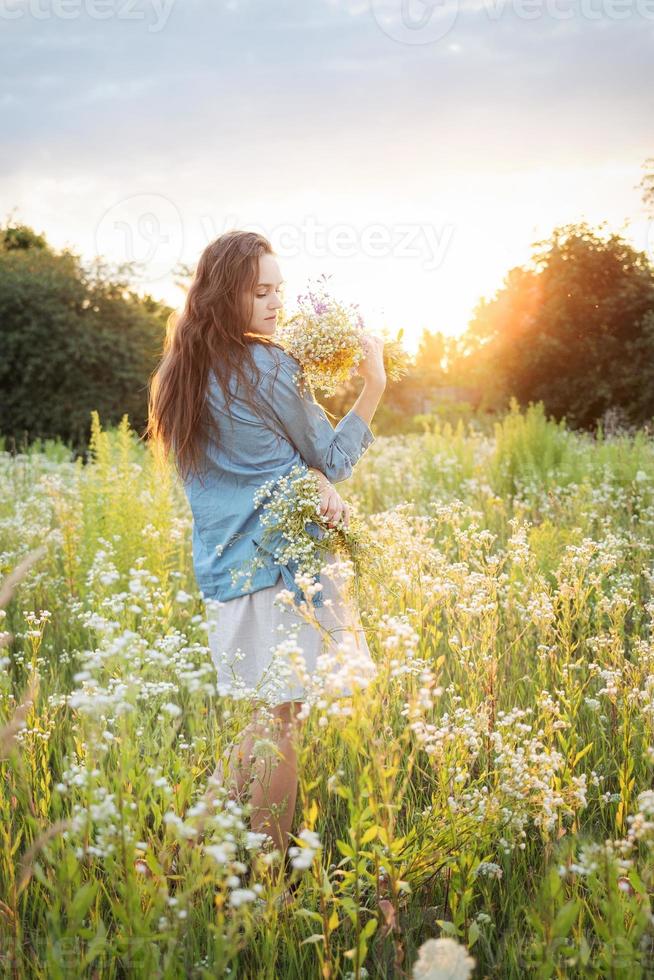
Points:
332	450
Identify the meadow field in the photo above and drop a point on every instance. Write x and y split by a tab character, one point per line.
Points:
492	784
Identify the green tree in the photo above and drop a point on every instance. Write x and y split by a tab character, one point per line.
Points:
74	339
21	237
573	330
647	185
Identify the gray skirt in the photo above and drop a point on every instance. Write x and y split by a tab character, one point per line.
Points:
267	651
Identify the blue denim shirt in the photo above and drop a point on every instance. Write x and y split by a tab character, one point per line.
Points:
251	451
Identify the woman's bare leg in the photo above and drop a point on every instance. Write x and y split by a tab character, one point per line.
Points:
273	778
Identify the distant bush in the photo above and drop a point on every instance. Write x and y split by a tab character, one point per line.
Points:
74	340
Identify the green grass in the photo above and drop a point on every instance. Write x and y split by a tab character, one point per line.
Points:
479	788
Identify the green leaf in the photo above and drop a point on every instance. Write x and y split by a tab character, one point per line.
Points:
565	918
83	900
310	914
554	882
345	849
97	945
349	906
369	835
16	844
584	951
579	756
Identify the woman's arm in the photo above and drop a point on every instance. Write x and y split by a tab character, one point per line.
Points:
333	451
332	506
373	372
369	399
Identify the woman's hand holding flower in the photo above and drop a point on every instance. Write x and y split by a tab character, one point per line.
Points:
332	506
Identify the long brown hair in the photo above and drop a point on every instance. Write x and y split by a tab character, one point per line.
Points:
210	333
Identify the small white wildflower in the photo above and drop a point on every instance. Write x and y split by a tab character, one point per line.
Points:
442	959
171	709
241	895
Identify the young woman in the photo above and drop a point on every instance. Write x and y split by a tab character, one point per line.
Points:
225	401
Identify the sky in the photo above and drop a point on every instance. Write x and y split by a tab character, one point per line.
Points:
412	151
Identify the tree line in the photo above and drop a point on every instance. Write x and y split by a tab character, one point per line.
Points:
573	328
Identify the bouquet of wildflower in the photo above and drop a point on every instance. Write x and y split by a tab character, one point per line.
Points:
295	530
326	337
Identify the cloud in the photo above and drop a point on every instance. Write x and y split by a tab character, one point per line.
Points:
263	110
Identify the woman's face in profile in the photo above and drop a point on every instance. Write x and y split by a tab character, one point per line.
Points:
267	297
